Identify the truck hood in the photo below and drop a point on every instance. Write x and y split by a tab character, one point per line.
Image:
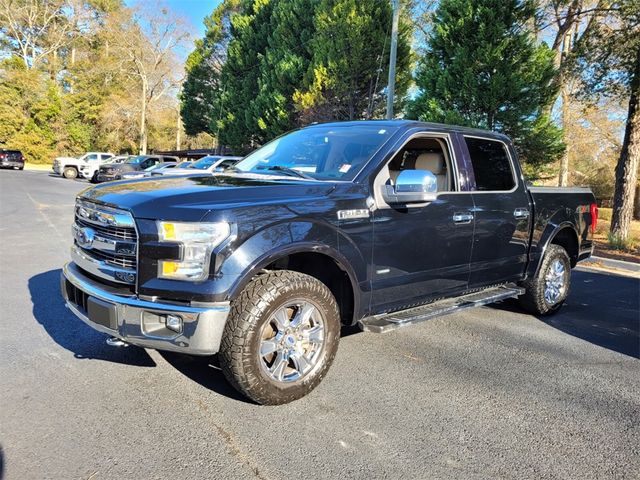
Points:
190	198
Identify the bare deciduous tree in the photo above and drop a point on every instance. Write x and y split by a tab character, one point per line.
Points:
150	52
36	29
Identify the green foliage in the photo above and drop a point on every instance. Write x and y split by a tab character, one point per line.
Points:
483	69
73	89
250	31
202	89
350	61
620	242
291	63
283	66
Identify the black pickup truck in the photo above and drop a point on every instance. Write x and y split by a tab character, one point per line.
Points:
377	223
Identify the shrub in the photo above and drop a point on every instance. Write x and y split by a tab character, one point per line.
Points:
617	242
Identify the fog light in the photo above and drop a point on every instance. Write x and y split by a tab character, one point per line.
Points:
174	323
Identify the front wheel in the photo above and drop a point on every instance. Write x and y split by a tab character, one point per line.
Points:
547	291
70	172
281	337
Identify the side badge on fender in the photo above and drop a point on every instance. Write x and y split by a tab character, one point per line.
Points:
352	214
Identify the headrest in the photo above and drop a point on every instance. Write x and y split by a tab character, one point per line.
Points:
434	162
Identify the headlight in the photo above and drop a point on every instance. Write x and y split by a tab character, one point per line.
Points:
198	239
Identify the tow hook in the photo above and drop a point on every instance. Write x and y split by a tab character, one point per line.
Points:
116	342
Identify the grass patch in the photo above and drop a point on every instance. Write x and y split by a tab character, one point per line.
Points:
616	242
605	214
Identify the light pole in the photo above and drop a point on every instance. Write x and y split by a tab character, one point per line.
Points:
391	86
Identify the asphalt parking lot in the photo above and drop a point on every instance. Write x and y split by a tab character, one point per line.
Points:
486	393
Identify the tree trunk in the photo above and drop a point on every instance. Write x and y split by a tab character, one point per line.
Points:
143	119
563	175
636	208
627	167
178	131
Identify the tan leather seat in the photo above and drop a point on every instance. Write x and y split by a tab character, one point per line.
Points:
434	162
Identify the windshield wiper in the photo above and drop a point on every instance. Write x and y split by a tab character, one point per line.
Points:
290	171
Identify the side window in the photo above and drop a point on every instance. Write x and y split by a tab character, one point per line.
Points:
92	157
149	162
491	165
424	153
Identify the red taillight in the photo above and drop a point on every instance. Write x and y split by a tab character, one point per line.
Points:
594	217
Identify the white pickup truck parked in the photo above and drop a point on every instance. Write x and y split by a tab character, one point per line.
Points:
69	167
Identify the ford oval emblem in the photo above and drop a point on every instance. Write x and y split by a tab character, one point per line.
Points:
84	236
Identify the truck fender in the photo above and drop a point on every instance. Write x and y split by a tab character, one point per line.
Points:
278	241
554	226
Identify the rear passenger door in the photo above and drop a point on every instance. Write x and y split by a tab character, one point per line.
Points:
502	213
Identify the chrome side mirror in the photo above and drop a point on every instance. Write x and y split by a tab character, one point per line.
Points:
412	186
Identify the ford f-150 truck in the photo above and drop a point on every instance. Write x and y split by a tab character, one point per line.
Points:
376	223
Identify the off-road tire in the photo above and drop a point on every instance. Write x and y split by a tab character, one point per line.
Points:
533	300
239	349
70	173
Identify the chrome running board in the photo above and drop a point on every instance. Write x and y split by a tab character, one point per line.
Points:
392	321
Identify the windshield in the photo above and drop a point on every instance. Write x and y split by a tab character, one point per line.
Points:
204	163
323	152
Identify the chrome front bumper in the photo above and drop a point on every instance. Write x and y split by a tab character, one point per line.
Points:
140	322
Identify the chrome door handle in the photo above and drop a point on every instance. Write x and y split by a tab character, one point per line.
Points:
462	217
521	213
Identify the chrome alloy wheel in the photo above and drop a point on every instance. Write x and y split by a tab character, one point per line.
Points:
554	282
292	341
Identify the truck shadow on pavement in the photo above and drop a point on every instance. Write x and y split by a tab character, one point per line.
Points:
205	371
70	332
602	308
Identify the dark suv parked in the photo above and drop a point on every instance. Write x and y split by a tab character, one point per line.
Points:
11	158
134	164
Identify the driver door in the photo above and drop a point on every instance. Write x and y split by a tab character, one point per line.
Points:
421	251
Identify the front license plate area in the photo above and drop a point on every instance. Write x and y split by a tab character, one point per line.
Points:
102	313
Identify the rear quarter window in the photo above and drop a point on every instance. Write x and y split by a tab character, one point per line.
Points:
491	165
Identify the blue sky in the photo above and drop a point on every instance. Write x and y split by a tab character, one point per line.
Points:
193	10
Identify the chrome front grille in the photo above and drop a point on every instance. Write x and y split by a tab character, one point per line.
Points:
117	233
105	242
112	259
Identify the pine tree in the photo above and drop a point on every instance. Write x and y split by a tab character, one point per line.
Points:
202	87
350	61
284	66
483	69
250	29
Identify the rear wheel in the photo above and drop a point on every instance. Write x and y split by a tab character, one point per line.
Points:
281	337
547	291
70	172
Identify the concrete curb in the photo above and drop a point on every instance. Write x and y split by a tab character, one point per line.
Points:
619	264
35	167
